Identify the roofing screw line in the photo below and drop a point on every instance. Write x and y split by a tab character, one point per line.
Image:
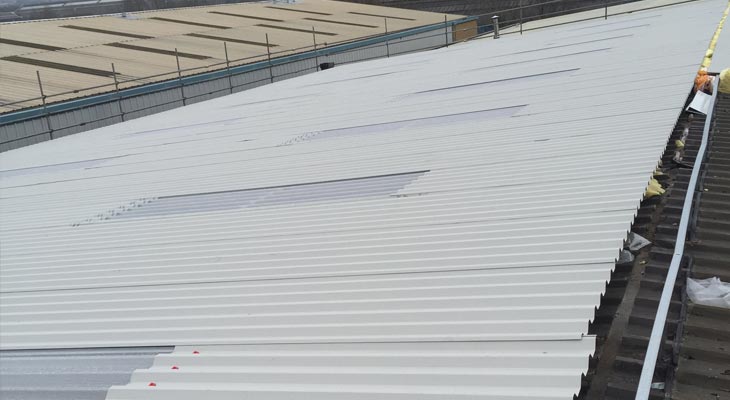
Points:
117	211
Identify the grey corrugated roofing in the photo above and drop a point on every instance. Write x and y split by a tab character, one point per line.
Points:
69	374
531	155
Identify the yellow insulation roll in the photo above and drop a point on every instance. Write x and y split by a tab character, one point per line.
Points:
724	81
651	193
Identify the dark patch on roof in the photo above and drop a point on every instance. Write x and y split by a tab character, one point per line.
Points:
299	11
61	66
381	15
29	44
180	21
107	32
246	16
157	51
286	28
341	22
230	40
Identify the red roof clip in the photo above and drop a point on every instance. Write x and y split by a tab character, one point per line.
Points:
152	384
174	367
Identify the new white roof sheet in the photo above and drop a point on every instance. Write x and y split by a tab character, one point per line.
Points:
433	226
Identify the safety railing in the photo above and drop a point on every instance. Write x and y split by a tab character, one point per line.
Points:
177	79
119	80
119	83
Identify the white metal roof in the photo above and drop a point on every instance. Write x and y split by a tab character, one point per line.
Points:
721	54
433	226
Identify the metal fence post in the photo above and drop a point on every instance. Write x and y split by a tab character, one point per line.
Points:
316	55
179	77
45	108
446	29
268	52
387	44
495	25
228	67
119	95
520	17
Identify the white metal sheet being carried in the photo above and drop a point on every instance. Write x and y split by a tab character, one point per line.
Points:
439	225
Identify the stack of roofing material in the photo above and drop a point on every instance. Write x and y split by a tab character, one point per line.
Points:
433	226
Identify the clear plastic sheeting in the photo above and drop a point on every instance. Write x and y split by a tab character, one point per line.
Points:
636	242
709	292
625	257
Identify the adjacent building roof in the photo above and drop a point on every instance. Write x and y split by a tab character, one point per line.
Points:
77	53
439	225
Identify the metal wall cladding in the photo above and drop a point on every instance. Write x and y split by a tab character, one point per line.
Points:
477	279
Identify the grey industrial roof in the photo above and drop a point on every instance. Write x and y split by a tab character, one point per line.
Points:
433	226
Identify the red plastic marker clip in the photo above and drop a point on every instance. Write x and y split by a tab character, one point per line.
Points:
174	367
152	384
196	352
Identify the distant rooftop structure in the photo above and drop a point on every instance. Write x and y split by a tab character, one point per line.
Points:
77	53
434	226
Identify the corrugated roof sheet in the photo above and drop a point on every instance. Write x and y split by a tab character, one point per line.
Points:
69	374
476	279
721	54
